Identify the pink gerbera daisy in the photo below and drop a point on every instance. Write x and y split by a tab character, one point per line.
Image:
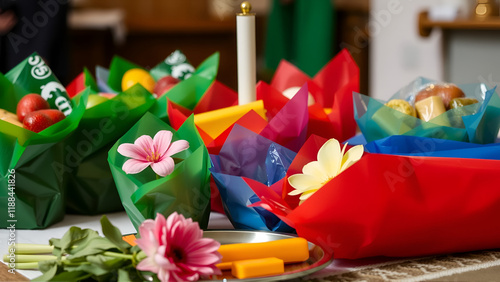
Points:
176	249
155	152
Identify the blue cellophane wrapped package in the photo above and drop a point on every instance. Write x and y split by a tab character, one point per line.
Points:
476	123
433	147
246	154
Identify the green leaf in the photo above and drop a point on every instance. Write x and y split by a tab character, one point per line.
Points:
76	236
56	242
145	276
106	262
135	249
123	275
88	268
155	277
113	234
70	276
49	270
46	265
110	277
93	246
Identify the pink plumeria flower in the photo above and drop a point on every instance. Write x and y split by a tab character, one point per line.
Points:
155	152
176	249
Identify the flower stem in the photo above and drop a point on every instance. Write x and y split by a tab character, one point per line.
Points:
118	255
141	255
30	258
27	265
24	248
138	257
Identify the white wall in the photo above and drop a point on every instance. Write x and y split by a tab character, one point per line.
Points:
398	54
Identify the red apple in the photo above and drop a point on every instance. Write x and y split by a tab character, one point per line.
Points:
55	115
164	84
39	120
30	103
36	121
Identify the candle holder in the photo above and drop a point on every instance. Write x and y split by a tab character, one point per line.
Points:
485	9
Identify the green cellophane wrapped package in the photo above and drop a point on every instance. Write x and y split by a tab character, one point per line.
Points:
175	65
119	66
187	93
90	187
32	189
34	76
186	190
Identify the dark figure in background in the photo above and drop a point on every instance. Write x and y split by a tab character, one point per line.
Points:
28	26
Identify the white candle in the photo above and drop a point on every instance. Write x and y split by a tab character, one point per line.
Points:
245	39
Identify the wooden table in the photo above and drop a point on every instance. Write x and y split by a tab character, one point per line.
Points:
472	266
7	276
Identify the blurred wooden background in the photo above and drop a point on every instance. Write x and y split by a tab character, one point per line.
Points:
155	28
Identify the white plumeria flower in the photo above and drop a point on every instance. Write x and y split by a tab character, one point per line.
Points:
331	162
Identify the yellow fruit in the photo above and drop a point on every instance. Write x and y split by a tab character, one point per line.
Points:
402	106
133	76
95	99
9	117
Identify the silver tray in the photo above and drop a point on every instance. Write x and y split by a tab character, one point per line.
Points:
318	258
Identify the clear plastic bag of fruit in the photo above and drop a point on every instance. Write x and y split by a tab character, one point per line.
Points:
415	111
32	189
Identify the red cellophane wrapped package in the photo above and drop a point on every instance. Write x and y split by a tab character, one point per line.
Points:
331	113
217	96
396	206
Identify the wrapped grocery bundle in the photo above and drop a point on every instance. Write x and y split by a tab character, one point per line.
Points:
262	155
427	108
122	73
90	187
116	103
172	80
214	111
199	92
217	124
37	115
178	179
246	154
405	196
330	95
287	128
